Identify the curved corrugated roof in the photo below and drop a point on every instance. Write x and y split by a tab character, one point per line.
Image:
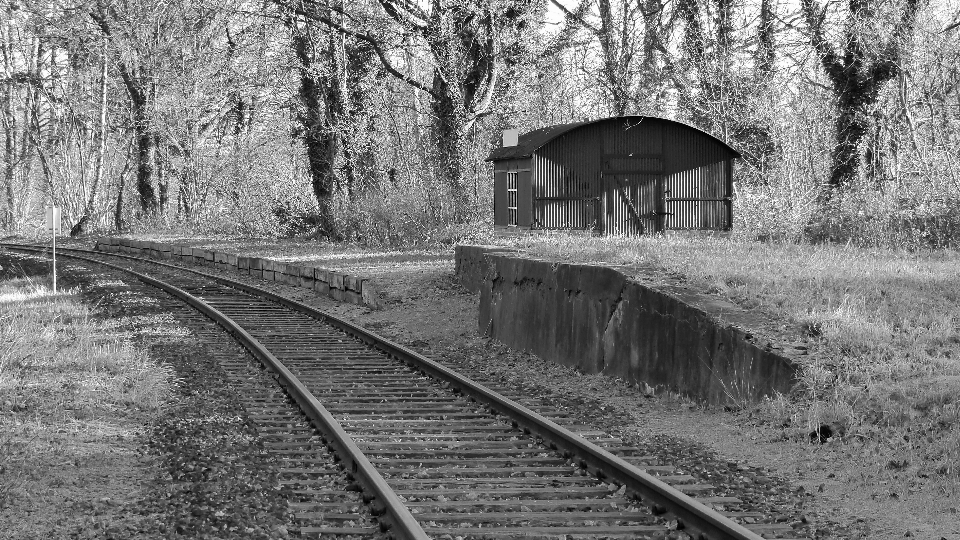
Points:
531	141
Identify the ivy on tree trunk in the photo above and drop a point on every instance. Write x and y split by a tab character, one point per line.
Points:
857	71
464	41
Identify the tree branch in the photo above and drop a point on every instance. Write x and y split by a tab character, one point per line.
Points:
576	15
814	17
406	13
136	93
377	47
888	65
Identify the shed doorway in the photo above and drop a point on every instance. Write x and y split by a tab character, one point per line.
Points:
633	203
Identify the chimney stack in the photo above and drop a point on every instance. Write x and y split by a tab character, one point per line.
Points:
511	137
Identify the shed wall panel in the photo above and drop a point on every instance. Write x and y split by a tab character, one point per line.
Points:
632	201
697	171
563	186
566	185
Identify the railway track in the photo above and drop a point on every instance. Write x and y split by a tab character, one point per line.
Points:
434	453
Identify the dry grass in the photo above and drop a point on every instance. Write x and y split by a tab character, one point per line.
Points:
56	362
63	372
883	324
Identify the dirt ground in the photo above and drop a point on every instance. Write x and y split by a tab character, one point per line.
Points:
849	483
852	483
75	484
851	489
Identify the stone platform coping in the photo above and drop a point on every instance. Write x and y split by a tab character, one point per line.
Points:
337	285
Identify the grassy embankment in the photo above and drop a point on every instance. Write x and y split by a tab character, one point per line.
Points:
69	384
883	324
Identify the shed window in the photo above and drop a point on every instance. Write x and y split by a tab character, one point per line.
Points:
511	198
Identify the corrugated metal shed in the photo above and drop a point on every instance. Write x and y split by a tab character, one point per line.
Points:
622	175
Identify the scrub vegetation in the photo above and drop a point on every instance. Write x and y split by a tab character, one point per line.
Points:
64	376
882	324
370	122
58	364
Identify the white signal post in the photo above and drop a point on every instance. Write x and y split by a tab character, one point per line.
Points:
53	225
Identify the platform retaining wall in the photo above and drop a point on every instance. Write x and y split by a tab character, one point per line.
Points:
600	320
337	285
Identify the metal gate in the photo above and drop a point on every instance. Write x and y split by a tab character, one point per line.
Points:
633	203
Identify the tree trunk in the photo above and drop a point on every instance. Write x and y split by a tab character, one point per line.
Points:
183	202
140	103
614	72
118	211
146	157
340	108
851	127
765	59
320	152
693	62
449	127
81	224
163	182
10	159
318	139
651	84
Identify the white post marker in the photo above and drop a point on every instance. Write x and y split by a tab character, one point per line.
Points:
53	225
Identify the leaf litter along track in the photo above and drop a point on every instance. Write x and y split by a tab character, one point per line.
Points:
288	439
462	470
224	454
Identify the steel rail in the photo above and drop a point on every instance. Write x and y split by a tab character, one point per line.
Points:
400	523
692	514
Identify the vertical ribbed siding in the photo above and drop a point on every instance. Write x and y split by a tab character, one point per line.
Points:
632	175
568	168
625	137
642	192
669	172
696	169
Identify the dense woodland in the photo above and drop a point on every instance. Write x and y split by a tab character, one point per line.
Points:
368	120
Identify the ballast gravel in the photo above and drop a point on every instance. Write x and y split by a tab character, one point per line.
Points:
816	486
429	312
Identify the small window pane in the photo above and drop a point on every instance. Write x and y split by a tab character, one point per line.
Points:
512	198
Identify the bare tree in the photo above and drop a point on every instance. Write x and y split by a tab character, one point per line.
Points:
766	53
19	53
318	101
139	83
630	38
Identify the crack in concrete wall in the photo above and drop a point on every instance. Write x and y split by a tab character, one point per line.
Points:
614	312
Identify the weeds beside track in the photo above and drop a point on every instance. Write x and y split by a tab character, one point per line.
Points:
421	409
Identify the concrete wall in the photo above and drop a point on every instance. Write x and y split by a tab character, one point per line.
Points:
470	265
337	285
600	320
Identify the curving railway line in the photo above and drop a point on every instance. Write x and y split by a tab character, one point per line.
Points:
427	452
